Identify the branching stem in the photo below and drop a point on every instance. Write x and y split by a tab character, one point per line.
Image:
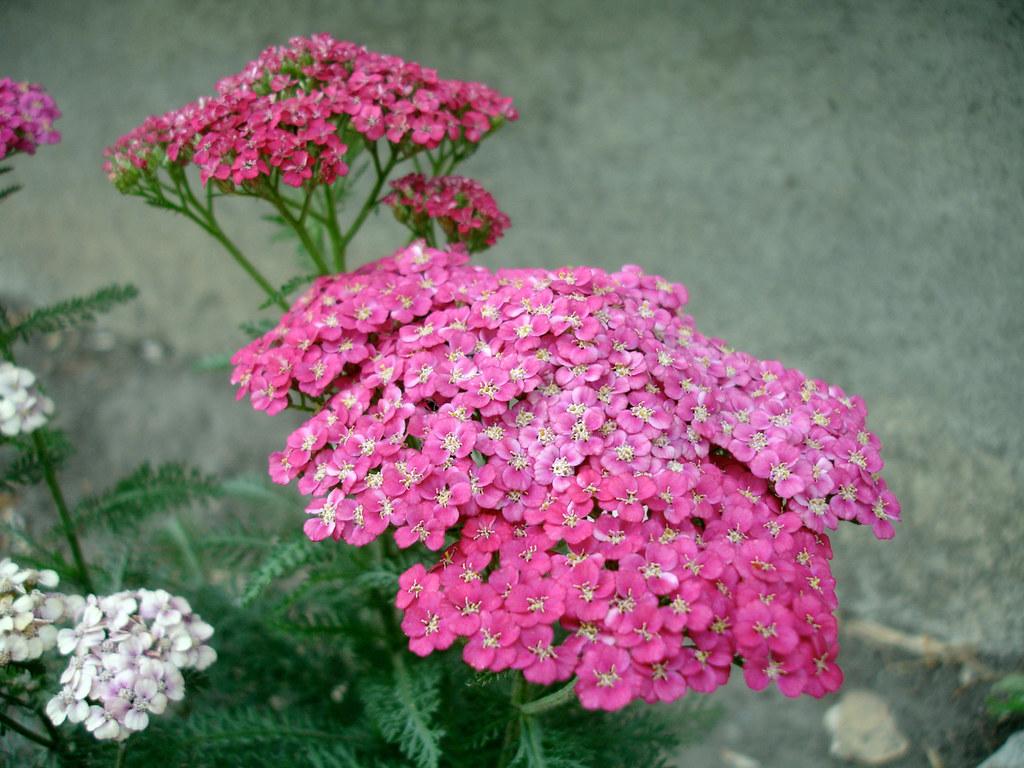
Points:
50	475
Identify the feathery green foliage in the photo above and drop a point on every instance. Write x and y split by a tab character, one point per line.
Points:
70	312
145	492
403	706
1007	697
286	290
26	468
11	189
256	328
284	559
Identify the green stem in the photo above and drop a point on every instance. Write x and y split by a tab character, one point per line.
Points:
300	230
28	733
204	217
122	750
243	262
558	698
508	744
50	476
333	232
371	200
38	712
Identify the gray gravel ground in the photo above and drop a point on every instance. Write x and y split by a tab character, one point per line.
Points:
840	184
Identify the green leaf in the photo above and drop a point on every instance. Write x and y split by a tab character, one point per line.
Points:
403	706
532	752
256	328
1007	696
26	469
212	363
288	289
285	558
257	489
65	314
144	492
8	191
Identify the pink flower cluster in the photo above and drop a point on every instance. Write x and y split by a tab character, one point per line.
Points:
127	651
297	110
466	212
27	113
616	496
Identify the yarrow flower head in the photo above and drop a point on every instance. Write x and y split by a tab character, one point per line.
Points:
23	408
27	113
614	495
126	652
302	111
465	211
28	614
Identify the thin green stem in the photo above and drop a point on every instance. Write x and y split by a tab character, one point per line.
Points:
371	200
203	216
562	696
28	733
38	712
300	230
122	750
218	234
50	475
508	743
333	231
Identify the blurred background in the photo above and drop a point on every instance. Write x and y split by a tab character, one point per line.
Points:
839	184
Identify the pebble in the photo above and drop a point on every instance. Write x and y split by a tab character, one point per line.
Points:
152	351
863	729
1010	755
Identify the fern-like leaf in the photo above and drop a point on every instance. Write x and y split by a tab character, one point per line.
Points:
285	558
8	191
26	468
144	492
403	706
65	314
286	290
534	753
256	328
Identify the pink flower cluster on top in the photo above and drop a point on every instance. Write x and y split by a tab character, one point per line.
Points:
27	113
465	211
622	498
297	109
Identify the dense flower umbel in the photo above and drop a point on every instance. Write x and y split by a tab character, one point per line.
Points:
28	615
27	113
630	501
465	211
297	109
127	651
23	408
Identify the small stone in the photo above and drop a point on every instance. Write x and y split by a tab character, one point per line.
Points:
863	730
1010	755
732	759
152	351
102	340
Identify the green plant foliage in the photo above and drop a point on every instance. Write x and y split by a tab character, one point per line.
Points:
71	312
11	189
145	492
403	706
26	468
1006	698
285	558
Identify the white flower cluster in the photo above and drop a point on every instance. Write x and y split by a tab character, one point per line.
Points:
22	407
27	614
127	652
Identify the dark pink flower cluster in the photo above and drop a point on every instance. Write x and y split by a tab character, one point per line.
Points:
27	113
466	212
615	495
298	109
